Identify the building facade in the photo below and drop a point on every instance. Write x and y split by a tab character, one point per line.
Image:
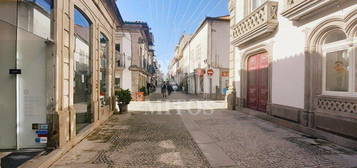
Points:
135	46
295	62
202	59
57	63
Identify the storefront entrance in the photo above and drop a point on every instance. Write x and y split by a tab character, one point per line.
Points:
257	93
25	73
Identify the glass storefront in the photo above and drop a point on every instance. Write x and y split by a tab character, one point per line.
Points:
103	74
82	71
25	28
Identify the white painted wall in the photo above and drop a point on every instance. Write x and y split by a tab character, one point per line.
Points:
199	45
126	81
186	59
32	86
220	44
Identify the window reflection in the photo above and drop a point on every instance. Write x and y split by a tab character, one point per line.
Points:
82	71
339	74
104	51
35	16
337	71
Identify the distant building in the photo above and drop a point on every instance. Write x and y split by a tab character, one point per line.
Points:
200	63
135	61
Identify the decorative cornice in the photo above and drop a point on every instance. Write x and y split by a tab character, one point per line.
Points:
296	9
261	22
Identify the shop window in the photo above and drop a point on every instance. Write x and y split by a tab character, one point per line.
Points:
340	63
82	71
117	83
104	79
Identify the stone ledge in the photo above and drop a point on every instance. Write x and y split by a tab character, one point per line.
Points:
286	112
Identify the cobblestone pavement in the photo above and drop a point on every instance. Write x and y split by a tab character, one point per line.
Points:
137	140
184	131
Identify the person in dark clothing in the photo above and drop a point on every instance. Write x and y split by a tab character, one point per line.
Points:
163	89
169	89
148	86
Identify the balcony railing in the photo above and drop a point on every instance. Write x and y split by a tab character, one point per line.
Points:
120	59
296	9
261	22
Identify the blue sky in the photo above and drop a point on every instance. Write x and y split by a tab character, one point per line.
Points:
169	19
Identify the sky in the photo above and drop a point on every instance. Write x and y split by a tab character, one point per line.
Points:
169	19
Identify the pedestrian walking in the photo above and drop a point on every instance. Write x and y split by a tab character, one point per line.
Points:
169	89
163	89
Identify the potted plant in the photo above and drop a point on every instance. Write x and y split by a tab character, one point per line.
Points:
143	89
123	98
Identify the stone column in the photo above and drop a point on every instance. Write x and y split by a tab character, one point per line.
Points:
231	93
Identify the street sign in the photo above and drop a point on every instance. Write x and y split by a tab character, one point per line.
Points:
210	72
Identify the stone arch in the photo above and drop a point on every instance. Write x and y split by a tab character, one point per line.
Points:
318	33
351	24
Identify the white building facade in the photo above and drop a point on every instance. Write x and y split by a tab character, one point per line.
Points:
208	58
295	60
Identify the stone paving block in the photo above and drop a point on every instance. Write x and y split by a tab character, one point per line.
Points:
215	155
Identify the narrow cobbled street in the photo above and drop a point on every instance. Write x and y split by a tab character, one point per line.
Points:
183	131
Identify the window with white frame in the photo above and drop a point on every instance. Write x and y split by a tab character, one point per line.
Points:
339	63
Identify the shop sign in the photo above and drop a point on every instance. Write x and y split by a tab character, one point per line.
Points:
14	71
225	74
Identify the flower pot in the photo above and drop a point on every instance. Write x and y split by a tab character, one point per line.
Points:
123	108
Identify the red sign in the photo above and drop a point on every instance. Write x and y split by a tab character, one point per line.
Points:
210	72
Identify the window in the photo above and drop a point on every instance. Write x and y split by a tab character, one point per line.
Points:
82	71
339	63
104	80
117	47
117	83
35	16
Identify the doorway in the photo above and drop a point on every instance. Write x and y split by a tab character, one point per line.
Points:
257	90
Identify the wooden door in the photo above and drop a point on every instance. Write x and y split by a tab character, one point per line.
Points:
257	93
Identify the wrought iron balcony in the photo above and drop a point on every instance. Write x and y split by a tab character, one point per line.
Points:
261	22
296	9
